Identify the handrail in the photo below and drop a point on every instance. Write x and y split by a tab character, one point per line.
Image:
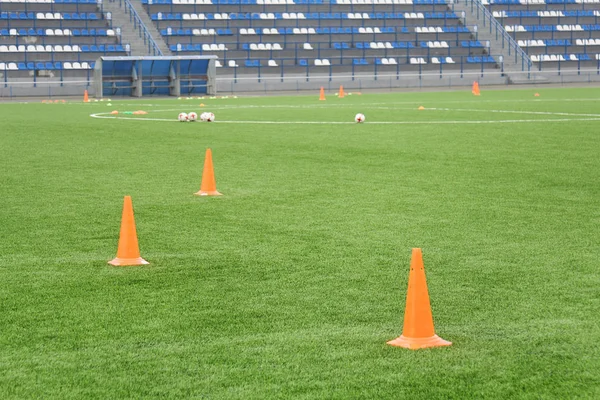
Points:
488	19
139	25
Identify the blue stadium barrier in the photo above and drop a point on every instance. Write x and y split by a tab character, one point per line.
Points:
147	76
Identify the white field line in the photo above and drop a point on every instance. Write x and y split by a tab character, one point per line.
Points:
429	109
470	110
515	112
506	121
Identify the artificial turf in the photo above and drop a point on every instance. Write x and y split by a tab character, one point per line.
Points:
290	284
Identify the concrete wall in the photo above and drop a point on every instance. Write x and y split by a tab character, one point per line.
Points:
302	84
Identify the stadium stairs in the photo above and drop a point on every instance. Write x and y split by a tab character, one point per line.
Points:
130	31
516	63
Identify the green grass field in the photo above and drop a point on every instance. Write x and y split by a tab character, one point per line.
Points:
290	284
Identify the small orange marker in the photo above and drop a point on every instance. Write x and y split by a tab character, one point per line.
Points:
322	94
475	89
128	252
418	331
536	95
114	112
86	98
341	95
201	104
208	187
421	108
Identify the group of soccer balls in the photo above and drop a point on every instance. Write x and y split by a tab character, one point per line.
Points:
192	117
210	117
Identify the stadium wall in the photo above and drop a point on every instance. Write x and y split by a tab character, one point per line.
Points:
57	89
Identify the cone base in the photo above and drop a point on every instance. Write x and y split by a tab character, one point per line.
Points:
419	343
208	193
128	261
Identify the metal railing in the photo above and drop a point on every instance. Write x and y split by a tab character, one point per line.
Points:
140	27
72	86
482	14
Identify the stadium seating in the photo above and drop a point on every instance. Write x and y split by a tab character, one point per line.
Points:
50	38
320	37
555	33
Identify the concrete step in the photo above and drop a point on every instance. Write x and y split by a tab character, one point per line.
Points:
131	36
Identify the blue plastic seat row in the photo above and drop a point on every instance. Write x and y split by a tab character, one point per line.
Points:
234	2
518	2
455	29
252	63
470	43
359	61
65	16
42	32
75	1
41	66
559	42
479	60
315	16
102	48
340	46
188	32
535	14
301	2
553	28
337	46
185	47
395	45
284	31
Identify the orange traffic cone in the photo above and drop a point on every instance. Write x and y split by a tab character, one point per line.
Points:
475	89
128	252
322	94
341	95
418	332
208	187
86	99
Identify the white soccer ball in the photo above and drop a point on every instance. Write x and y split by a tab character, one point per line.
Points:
192	116
203	116
358	118
183	117
210	117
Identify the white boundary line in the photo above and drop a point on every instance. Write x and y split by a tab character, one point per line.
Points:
505	121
